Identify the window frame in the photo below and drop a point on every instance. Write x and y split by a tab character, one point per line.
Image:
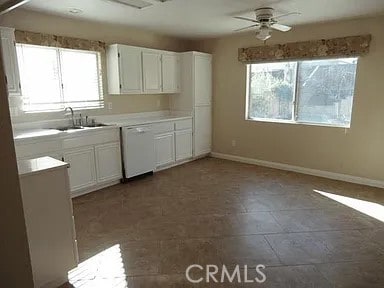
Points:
295	104
61	84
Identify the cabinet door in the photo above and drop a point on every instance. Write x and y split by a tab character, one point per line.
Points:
165	149
203	80
108	162
131	73
152	72
10	61
203	130
82	171
183	144
171	73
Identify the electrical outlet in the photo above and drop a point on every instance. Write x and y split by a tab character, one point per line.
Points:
110	106
234	143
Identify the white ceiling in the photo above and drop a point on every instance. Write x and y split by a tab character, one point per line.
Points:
206	18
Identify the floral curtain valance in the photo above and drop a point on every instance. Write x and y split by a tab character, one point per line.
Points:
325	48
25	37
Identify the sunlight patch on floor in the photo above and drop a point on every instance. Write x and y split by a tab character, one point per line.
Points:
104	270
372	209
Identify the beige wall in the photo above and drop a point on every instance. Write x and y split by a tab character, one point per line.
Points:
358	151
38	22
15	265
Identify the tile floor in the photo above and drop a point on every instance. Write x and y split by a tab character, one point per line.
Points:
147	232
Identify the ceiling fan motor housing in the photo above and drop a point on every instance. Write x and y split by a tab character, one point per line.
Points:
264	15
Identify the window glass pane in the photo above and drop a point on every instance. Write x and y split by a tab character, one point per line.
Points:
40	80
271	91
325	91
80	74
53	78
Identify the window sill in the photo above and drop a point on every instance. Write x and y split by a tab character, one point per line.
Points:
62	110
297	123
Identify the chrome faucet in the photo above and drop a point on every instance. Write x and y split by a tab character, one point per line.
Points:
72	115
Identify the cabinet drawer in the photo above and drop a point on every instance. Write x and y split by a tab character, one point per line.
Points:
183	124
163	127
92	139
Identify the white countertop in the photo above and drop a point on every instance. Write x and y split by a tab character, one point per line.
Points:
35	133
145	120
39	165
38	134
114	121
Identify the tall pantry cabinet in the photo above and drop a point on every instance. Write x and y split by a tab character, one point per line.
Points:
196	98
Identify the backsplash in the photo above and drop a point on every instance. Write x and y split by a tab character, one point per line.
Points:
119	104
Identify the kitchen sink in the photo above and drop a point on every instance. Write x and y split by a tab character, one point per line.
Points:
66	128
95	125
69	128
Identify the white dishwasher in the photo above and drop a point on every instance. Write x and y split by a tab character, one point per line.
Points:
138	147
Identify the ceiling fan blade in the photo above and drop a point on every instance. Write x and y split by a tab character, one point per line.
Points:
245	28
287	14
246	19
281	27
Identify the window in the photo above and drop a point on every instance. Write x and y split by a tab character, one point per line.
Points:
316	91
54	78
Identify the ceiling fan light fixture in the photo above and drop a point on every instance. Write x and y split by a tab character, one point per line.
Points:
264	33
75	11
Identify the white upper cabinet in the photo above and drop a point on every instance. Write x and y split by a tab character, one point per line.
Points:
203	80
124	67
130	70
152	72
10	61
171	73
135	70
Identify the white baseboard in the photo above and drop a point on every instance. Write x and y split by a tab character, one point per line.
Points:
303	170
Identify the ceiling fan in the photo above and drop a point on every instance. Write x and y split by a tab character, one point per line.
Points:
265	21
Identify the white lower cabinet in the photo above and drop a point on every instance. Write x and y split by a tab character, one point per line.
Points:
183	140
94	158
173	142
82	171
108	162
165	149
203	130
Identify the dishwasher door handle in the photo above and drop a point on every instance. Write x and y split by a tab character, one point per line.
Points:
140	130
